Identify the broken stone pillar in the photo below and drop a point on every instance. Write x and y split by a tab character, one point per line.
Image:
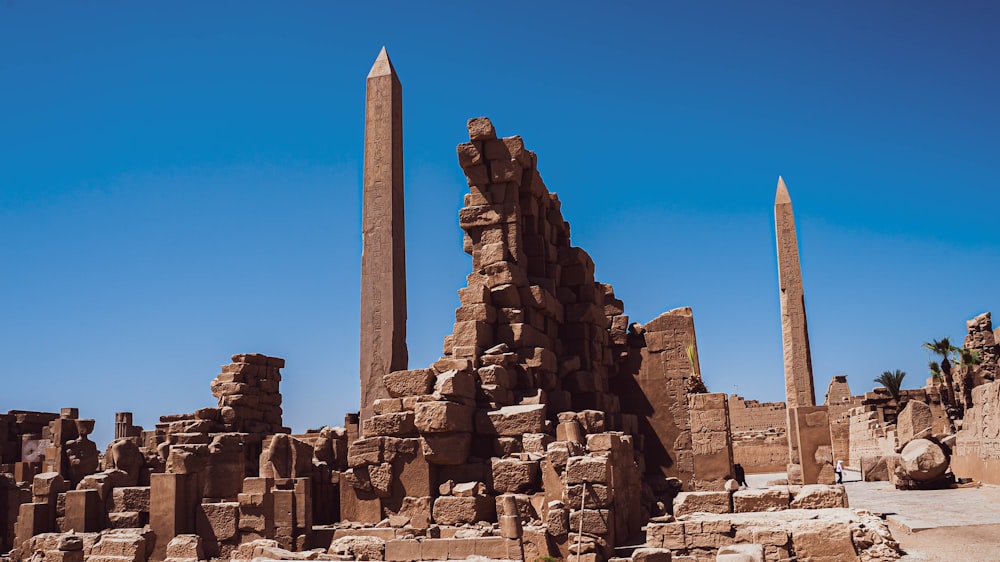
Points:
710	441
32	519
256	515
812	435
84	511
172	504
383	258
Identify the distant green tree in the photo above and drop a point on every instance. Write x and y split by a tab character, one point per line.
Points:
935	370
892	381
944	348
967	360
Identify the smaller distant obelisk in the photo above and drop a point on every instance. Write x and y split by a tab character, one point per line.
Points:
383	256
799	389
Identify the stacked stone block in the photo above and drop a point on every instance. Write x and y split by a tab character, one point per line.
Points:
982	342
248	394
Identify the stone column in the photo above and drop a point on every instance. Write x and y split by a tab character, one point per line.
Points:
383	258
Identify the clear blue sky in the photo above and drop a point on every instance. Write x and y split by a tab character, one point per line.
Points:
182	182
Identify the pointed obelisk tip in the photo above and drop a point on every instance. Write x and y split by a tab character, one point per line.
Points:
382	66
782	195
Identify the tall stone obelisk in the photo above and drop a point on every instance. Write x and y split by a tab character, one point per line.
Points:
383	257
810	450
799	389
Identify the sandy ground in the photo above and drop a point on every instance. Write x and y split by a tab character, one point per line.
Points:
955	525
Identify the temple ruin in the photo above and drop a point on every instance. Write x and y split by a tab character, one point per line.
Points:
553	425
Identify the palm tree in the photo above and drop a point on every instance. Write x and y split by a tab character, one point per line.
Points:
695	385
944	348
935	370
892	381
967	359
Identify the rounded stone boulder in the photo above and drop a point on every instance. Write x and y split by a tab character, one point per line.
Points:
924	460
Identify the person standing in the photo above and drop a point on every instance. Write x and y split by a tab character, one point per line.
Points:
840	471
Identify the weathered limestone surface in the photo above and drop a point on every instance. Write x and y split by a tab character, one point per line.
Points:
784	534
812	429
977	444
747	416
710	441
383	258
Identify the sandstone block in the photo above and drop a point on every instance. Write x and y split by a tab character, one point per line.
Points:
418	510
48	484
185	547
522	335
820	496
595	521
359	547
455	385
486	215
597	495
536	442
741	553
443	417
511	476
874	469
557	520
387	406
823	540
446	448
468	489
651	555
771	499
592	470
402	550
361	452
127	519
481	129
218	521
409	383
923	460
512	421
704	502
135	498
451	510
468	155
398	424
497	375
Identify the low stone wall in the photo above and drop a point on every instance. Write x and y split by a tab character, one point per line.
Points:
759	452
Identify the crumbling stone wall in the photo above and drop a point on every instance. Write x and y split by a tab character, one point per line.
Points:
753	416
981	340
536	373
869	436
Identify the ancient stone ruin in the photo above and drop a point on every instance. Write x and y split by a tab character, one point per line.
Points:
553	424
